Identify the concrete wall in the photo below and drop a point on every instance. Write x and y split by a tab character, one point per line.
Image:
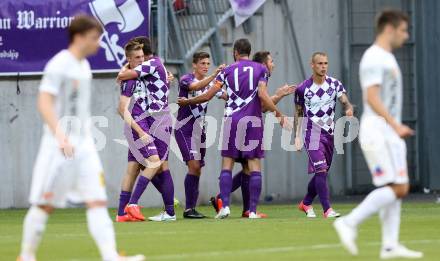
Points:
317	27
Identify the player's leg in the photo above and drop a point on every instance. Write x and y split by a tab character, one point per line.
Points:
255	185
225	184
133	168
306	204
192	189
152	165
34	226
245	177
167	185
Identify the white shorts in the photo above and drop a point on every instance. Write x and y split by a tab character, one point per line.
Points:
385	153
55	177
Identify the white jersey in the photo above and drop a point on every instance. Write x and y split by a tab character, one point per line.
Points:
69	79
379	67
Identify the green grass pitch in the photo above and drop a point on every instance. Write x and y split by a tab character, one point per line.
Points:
285	235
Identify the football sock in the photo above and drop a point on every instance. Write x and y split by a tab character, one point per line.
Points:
245	191
374	201
311	192
139	189
168	191
124	197
101	228
236	181
390	219
191	190
322	189
255	183
33	229
225	184
157	182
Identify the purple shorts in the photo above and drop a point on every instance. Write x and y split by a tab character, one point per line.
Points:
191	144
243	138
320	151
159	127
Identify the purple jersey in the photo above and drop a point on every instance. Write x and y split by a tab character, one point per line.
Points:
136	90
241	80
154	76
188	114
319	102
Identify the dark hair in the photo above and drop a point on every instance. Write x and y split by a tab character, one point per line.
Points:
132	46
261	56
242	47
146	42
81	24
389	16
199	56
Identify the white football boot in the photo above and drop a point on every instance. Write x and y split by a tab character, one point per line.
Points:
163	216
254	215
347	235
132	258
223	213
400	251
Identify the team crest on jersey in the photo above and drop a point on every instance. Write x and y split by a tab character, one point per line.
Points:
378	171
309	94
330	91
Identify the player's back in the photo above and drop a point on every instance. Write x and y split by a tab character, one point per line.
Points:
241	80
69	79
154	75
380	67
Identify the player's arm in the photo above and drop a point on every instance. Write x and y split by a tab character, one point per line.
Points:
267	102
375	102
46	107
348	107
127	74
195	86
206	96
297	125
280	93
125	114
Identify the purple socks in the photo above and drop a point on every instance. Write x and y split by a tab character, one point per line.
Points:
139	189
191	190
124	197
255	183
225	184
245	191
167	191
236	181
311	192
322	190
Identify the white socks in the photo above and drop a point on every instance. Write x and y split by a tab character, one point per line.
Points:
33	229
375	201
101	228
390	219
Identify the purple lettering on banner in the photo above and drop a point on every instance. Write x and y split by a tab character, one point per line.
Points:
31	32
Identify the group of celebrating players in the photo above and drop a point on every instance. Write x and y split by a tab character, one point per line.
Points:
69	149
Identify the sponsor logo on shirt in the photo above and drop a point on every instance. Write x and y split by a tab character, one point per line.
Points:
319	162
378	172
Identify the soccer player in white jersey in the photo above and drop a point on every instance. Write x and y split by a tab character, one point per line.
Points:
381	139
68	160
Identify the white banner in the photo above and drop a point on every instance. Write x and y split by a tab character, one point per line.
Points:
243	9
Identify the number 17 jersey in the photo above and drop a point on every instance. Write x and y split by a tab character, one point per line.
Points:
241	80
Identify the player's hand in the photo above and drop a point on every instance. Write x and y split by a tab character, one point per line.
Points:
224	96
285	90
403	131
349	111
66	148
220	68
182	101
286	123
170	77
146	138
298	143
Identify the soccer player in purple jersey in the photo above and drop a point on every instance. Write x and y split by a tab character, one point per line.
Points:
246	85
190	129
68	160
241	179
132	105
315	100
158	119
